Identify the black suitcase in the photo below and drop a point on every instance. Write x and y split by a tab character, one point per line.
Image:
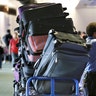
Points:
64	57
33	6
43	12
42	26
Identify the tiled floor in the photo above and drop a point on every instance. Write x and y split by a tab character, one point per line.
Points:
6	80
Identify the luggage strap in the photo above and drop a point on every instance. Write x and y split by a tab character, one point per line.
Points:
68	37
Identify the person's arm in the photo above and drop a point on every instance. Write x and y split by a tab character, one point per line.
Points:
10	47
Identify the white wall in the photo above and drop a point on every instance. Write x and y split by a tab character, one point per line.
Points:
12	23
82	17
3	23
7	22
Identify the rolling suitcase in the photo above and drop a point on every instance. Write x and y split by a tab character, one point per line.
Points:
42	26
65	56
42	12
36	43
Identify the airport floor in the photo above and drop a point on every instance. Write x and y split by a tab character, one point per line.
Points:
6	80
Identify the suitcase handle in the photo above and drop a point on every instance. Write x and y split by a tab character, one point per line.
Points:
52	80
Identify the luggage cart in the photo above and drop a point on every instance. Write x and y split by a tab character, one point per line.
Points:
52	84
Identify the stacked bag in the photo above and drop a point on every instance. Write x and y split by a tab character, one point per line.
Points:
35	21
60	53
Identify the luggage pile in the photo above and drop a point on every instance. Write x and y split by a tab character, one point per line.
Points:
48	47
35	22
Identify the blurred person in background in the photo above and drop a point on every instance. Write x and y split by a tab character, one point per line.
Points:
6	40
7	37
88	78
83	35
1	52
13	49
1	55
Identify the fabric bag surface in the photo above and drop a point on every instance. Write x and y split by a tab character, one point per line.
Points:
62	57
